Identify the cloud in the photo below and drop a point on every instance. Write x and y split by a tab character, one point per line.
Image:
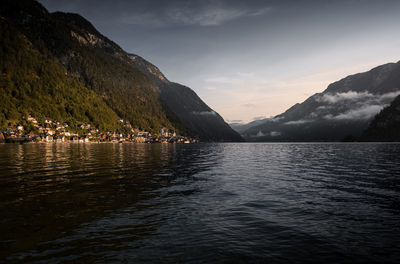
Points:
362	113
355	96
355	105
249	105
298	122
211	15
272	134
221	80
259	118
204	113
338	97
191	13
276	119
389	96
260	134
259	12
275	134
323	107
208	17
234	121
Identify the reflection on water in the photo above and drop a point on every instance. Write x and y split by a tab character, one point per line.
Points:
200	203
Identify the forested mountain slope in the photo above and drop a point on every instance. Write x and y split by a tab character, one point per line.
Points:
100	65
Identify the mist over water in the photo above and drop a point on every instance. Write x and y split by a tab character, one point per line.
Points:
200	203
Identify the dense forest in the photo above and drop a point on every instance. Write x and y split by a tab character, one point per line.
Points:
59	66
33	82
62	68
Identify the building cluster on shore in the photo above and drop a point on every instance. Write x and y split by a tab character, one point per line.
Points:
48	130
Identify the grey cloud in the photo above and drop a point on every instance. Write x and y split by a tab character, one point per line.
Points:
339	97
354	96
298	122
389	96
234	121
260	134
275	119
191	13
205	113
274	133
258	118
362	113
363	105
207	17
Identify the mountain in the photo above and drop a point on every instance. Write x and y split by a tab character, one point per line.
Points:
344	109
386	125
240	127
34	83
187	106
102	67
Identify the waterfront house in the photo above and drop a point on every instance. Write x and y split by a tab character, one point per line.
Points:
30	136
32	119
85	126
47	120
2	137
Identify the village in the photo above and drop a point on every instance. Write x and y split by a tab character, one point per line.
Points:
52	131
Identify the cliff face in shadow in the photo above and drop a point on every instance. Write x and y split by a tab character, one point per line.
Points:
386	125
188	106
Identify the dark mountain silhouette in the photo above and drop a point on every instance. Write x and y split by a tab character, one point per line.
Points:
344	109
386	125
187	106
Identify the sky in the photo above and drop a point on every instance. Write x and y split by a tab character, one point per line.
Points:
250	59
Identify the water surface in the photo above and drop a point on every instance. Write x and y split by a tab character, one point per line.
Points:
200	203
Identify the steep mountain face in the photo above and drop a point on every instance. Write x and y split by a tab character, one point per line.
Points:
93	60
33	83
103	67
187	106
345	108
386	125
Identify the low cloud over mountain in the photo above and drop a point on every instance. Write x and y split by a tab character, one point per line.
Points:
345	108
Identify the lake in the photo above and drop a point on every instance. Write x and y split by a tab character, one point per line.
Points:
200	203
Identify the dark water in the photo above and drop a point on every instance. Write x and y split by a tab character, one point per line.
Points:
206	203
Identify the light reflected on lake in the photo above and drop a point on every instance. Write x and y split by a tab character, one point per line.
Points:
147	203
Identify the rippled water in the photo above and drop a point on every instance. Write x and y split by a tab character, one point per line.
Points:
204	203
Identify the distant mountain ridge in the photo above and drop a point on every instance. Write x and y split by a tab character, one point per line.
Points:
132	88
344	109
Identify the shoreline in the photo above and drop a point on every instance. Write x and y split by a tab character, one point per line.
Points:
91	142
